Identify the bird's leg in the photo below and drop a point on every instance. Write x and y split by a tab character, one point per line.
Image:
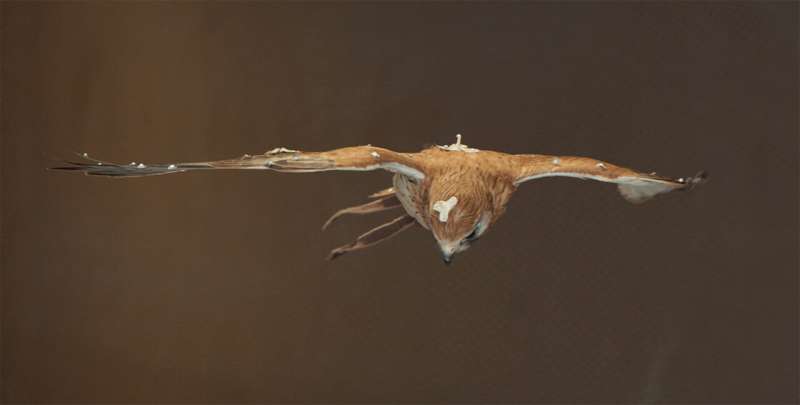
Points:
381	204
375	235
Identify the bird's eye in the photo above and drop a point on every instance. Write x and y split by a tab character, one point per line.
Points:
473	235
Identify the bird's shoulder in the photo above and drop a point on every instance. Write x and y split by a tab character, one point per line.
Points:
439	153
486	161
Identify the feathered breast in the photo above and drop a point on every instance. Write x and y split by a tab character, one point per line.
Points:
413	197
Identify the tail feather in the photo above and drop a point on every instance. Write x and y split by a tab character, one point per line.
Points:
382	204
383	193
375	236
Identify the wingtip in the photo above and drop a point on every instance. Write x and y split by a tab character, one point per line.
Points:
699	178
702	175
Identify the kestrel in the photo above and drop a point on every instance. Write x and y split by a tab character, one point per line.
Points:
453	191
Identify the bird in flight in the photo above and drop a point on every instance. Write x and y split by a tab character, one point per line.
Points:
453	191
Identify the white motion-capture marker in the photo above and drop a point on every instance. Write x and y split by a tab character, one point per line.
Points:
280	150
458	146
444	207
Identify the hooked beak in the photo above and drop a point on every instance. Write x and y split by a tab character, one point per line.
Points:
447	259
447	253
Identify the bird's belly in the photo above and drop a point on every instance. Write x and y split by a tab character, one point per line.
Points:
412	197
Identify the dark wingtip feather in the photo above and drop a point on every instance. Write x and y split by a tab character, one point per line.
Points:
699	178
94	167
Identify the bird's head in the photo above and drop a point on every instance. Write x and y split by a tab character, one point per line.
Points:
459	216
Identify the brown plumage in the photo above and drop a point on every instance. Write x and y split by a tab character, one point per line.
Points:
454	191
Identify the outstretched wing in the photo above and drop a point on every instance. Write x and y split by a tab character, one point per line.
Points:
357	158
634	186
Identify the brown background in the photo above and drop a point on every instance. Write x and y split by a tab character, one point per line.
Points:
211	287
